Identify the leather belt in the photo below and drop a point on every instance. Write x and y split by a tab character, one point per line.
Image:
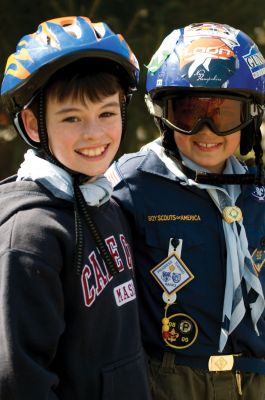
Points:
215	363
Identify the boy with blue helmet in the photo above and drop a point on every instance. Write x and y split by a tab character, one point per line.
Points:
69	325
198	216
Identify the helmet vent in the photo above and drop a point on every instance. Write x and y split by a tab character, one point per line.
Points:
73	30
98	35
99	30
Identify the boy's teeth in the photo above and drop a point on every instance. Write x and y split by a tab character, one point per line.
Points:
93	152
207	144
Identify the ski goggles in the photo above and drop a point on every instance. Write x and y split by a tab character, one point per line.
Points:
224	115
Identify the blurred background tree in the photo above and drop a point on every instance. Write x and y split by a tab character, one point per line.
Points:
143	24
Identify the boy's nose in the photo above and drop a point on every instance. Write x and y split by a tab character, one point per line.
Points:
206	128
91	129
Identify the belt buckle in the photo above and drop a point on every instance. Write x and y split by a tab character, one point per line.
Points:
221	363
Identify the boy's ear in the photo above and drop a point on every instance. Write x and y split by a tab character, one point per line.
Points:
30	124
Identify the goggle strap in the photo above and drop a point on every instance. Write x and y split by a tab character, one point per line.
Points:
153	108
226	179
215	179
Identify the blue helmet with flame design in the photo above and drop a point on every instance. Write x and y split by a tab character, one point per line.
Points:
58	42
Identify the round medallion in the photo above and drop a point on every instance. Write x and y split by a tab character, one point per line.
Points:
169	299
232	214
179	330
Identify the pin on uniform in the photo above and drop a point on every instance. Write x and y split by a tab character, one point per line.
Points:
179	330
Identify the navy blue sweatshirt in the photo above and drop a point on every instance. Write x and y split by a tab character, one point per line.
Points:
65	335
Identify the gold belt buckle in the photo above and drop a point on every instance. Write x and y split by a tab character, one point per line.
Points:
221	363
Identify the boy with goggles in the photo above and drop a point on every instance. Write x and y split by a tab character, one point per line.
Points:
198	217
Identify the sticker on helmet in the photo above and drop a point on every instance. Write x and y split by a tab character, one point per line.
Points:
207	62
256	62
225	32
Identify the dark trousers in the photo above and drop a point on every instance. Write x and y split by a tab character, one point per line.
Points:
184	383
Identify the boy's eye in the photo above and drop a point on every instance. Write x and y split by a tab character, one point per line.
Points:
71	119
107	114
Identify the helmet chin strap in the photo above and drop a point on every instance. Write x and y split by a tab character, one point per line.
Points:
45	141
80	205
171	149
259	157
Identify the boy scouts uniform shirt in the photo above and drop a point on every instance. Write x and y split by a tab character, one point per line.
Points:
180	257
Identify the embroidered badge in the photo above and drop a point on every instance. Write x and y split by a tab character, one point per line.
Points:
172	274
259	193
179	330
258	256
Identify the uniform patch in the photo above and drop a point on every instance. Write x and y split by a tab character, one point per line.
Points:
258	256
172	274
259	194
113	175
179	331
124	293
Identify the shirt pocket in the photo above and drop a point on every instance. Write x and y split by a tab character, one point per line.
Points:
126	379
159	237
198	253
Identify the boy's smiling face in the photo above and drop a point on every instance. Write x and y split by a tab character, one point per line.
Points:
84	136
207	149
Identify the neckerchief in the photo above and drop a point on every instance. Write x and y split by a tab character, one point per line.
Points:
60	182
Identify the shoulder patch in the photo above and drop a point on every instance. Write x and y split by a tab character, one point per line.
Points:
113	175
259	194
